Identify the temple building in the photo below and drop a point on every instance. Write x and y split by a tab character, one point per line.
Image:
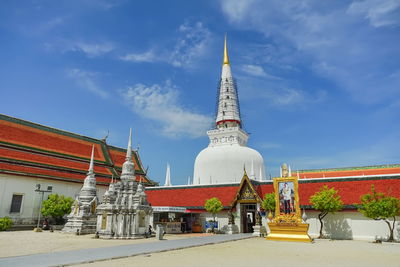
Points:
32	154
244	198
234	173
226	155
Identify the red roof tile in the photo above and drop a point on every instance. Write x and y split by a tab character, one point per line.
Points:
190	196
350	190
352	171
31	149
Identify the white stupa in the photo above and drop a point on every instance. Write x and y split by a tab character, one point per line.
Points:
226	155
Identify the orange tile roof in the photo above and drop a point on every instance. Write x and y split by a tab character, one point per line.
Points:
194	197
350	171
190	196
35	150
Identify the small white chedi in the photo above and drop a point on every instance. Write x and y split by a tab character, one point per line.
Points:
223	160
82	219
124	212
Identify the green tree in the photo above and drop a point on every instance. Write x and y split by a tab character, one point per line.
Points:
5	223
56	206
268	203
326	200
378	206
213	206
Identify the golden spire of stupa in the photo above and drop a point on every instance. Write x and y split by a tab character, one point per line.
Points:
226	57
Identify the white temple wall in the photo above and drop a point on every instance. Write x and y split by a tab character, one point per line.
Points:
25	186
221	218
349	225
340	225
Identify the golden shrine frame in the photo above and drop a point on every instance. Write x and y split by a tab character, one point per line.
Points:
294	215
287	224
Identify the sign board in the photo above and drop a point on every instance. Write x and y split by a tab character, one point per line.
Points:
209	224
168	209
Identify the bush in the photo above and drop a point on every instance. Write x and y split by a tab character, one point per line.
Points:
268	203
326	200
378	206
5	223
213	206
57	206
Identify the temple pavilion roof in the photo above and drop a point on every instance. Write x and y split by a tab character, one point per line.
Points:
34	150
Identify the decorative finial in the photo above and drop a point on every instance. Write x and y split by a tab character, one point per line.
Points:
129	150
226	57
105	138
91	165
168	176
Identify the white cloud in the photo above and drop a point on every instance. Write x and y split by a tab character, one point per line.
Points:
160	103
237	10
257	70
85	79
104	4
91	49
190	44
148	56
379	12
306	33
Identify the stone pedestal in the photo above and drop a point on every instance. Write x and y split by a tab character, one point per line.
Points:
159	232
232	229
256	230
80	225
283	232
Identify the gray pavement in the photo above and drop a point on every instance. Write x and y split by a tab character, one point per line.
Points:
97	254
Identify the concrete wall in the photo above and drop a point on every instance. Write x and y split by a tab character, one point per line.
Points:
350	225
12	184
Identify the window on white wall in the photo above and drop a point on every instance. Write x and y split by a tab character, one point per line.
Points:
16	203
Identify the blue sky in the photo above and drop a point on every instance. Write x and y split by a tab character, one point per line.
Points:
318	81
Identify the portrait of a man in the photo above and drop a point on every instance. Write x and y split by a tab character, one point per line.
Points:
286	197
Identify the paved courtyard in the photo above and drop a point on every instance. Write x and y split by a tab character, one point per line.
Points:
259	252
190	250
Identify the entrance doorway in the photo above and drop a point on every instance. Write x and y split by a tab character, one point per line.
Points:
247	217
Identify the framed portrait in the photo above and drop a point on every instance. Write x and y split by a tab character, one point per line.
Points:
287	197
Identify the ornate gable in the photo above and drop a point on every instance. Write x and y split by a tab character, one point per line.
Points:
246	192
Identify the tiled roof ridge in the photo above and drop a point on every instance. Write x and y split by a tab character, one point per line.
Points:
382	166
21	173
48	166
192	186
105	149
108	162
34	150
50	129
